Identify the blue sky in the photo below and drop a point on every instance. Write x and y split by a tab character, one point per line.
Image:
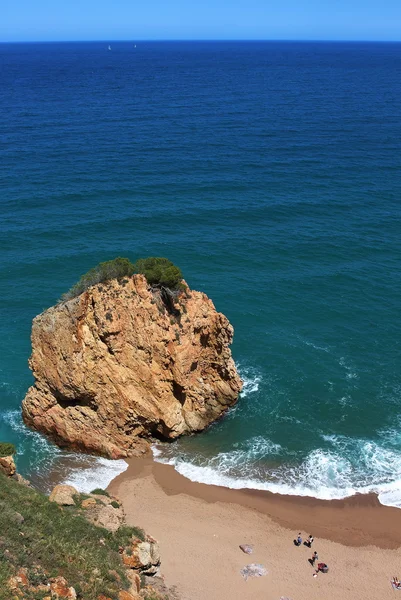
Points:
47	20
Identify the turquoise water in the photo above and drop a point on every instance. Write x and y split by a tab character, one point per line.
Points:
270	172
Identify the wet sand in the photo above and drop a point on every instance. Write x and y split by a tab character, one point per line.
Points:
200	527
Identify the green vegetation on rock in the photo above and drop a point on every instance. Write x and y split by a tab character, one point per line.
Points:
111	269
7	449
49	541
100	492
159	272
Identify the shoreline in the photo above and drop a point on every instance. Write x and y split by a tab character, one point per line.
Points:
358	521
200	527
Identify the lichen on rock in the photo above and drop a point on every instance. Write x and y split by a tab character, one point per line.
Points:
122	364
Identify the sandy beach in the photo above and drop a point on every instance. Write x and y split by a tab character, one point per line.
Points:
200	528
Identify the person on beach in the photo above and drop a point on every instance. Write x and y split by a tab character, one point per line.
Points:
309	541
396	583
314	558
299	539
322	567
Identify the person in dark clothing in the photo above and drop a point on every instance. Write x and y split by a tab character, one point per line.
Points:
314	558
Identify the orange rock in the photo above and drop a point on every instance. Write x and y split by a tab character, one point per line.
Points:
13	584
130	561
117	364
152	592
135	581
128	596
88	503
144	556
61	589
19	580
7	465
22	576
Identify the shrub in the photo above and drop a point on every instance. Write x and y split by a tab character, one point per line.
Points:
100	492
115	504
111	269
159	272
7	449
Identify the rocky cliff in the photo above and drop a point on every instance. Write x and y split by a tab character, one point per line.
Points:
48	553
122	363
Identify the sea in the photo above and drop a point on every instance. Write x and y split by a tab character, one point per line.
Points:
270	172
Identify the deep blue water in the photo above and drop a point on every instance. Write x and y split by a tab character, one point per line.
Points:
270	173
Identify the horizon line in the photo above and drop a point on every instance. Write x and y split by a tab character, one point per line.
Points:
222	40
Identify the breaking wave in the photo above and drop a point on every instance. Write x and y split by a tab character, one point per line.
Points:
95	472
343	468
250	378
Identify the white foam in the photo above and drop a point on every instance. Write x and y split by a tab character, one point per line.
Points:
392	495
93	472
250	378
210	476
98	475
39	443
326	474
157	452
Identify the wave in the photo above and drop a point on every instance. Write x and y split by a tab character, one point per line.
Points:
97	473
27	437
345	468
47	464
251	380
341	467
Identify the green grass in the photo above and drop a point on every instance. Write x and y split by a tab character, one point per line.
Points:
54	541
127	532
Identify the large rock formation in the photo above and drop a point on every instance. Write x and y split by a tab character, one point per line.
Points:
120	364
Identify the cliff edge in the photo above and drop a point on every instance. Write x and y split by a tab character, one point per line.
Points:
122	363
